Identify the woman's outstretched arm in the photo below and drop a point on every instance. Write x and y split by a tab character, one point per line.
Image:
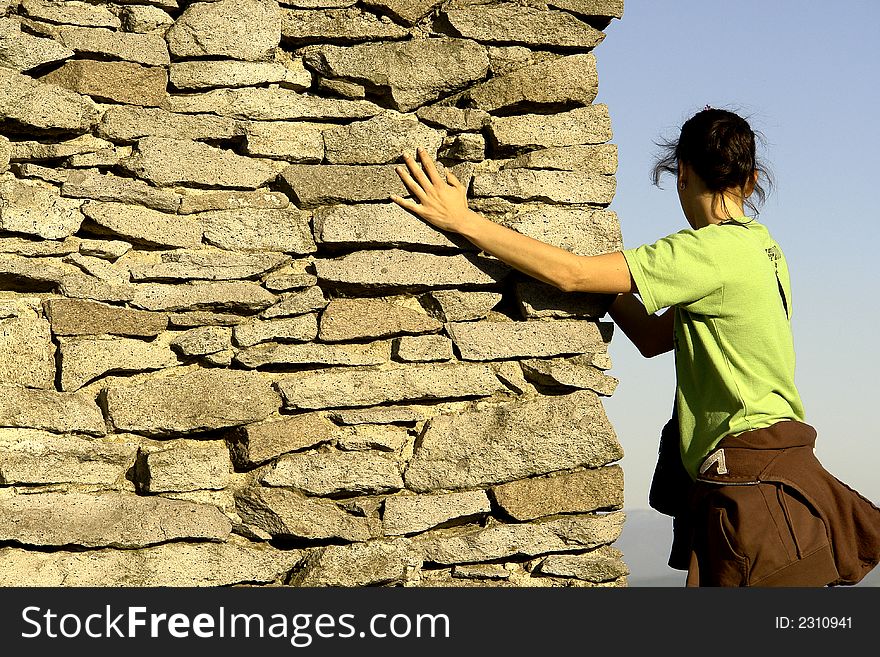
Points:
443	203
652	335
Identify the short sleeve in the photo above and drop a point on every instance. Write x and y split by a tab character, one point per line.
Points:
678	270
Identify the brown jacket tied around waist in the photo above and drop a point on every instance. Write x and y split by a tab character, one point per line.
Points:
765	512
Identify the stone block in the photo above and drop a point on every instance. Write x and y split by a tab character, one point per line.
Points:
252	229
289	514
502	442
583	125
254	444
21	51
396	269
175	564
408	514
184	465
300	26
115	82
486	340
295	141
238	29
44	106
412	72
170	161
380	139
363	387
512	23
553	83
84	317
106	520
581	491
356	319
271	104
196	400
232	296
36	208
84	359
70	13
147	49
311	353
336	472
384	225
422	348
34	456
500	541
101	187
129	123
142	225
372	563
552	186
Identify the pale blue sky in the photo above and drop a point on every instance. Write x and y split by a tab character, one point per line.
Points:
805	73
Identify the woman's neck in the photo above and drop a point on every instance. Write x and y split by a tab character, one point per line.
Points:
716	208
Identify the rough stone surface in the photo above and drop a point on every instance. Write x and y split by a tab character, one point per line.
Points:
142	19
335	472
142	225
396	268
280	354
83	359
567	80
167	565
546	185
271	104
412	72
380	225
380	140
36	208
119	82
359	564
356	319
84	317
106	520
597	159
600	565
300	26
408	514
203	340
21	51
205	74
307	300
254	229
239	29
259	199
495	340
289	514
33	456
422	348
26	351
525	539
512	23
300	328
147	49
581	491
459	305
507	441
206	264
295	141
44	106
573	372
90	185
71	13
408	12
50	410
584	125
169	161
196	400
129	123
185	465
233	296
259	442
368	387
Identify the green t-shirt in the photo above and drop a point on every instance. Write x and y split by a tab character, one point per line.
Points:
734	355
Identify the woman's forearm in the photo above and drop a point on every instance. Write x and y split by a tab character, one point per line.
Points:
540	260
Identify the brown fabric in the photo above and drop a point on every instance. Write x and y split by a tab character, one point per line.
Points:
775	518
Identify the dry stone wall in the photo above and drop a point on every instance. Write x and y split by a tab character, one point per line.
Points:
226	358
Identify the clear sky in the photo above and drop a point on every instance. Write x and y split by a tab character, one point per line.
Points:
805	73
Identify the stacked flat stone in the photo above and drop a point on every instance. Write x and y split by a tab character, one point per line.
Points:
227	358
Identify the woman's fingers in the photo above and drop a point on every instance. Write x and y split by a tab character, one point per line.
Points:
428	164
416	172
413	186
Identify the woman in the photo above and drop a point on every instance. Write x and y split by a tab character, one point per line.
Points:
756	508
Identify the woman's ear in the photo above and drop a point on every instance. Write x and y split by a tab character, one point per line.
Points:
682	177
750	184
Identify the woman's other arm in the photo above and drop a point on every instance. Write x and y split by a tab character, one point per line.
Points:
651	334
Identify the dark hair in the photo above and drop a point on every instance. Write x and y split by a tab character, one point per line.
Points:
720	146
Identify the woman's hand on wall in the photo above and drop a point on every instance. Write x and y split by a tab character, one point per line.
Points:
442	203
